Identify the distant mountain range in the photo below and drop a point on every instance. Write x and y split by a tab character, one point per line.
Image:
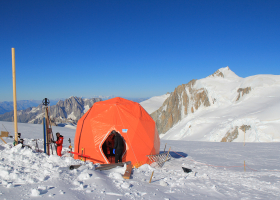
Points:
7	106
64	111
138	100
68	111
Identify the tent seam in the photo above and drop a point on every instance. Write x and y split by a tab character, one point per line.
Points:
82	129
127	136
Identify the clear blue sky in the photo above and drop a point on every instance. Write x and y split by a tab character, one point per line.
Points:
132	48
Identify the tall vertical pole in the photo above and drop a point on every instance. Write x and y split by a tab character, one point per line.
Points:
244	136
15	95
47	130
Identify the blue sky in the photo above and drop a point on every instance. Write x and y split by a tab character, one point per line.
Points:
132	48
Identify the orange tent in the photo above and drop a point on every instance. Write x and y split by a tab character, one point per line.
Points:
128	118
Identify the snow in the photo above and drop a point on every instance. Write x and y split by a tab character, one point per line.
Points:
72	116
154	103
260	109
217	172
86	108
35	131
37	117
34	109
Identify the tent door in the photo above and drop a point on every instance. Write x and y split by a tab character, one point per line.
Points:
107	149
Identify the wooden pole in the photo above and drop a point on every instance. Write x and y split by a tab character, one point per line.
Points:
44	134
244	166
151	177
167	154
244	137
164	148
15	95
3	140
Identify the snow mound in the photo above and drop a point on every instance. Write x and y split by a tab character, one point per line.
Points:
35	192
26	174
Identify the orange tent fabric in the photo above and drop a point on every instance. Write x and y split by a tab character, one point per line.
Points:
128	118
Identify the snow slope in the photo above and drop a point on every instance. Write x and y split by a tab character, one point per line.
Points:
259	109
154	103
217	172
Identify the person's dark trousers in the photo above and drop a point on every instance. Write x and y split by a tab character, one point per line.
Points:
118	156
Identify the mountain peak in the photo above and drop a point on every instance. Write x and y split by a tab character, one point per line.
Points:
224	72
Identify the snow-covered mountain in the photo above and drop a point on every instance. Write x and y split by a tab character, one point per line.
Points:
154	103
69	110
222	107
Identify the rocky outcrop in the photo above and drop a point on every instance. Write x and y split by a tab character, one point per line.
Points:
242	92
218	73
70	110
232	135
184	100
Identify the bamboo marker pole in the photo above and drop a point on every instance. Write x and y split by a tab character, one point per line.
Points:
244	137
167	154
151	177
244	166
15	95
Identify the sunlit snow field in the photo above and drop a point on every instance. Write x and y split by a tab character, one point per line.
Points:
217	172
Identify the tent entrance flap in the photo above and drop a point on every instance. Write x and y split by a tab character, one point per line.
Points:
108	146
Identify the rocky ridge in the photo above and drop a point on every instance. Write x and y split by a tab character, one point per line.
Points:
68	111
184	100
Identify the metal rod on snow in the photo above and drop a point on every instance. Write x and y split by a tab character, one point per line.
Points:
47	131
14	95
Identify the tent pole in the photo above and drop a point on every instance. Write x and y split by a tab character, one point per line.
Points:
15	95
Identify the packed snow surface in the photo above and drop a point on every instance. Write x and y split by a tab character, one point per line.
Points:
259	110
217	172
154	103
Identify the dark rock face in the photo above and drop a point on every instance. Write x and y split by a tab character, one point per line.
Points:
242	92
218	73
184	100
232	135
70	110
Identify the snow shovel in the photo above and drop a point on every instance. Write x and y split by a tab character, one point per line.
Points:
186	170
